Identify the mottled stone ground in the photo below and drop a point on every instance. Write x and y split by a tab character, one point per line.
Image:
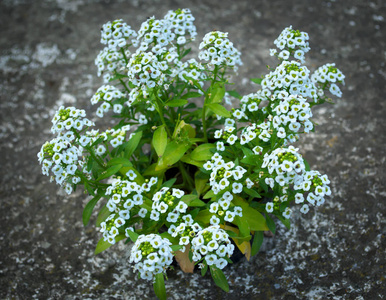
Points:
335	252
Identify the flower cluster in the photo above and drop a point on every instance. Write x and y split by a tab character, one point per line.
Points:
224	174
117	35
213	245
291	42
172	29
218	50
151	254
110	97
61	157
69	119
291	113
145	72
328	75
168	203
186	230
291	77
125	201
284	165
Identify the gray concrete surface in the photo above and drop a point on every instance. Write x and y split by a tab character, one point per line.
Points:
335	252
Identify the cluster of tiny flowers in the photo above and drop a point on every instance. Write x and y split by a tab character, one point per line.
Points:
291	113
110	61
173	29
125	198
145	71
166	202
285	166
292	78
116	137
222	211
311	187
291	42
108	95
186	230
229	134
317	187
151	254
250	103
180	23
261	131
61	157
191	69
68	119
117	34
224	175
214	245
328	75
218	50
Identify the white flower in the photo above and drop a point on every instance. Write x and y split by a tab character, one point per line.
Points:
269	207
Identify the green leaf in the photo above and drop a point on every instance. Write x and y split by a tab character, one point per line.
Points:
186	159
159	286
251	192
251	160
173	152
234	94
286	222
204	269
103	245
169	183
184	129
263	185
191	95
186	52
197	203
257	80
176	102
306	164
203	216
209	194
133	144
88	188
188	198
255	219
202	152
271	224
120	160
217	93
243	226
200	181
102	215
160	140
133	235
151	171
109	172
87	211
219	278
176	247
257	242
220	110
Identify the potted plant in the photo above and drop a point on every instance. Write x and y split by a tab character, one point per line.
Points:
192	169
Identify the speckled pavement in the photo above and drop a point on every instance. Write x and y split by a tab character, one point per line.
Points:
334	252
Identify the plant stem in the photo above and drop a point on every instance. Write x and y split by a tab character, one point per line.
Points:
186	177
204	128
161	113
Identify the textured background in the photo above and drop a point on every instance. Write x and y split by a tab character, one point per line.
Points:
335	252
